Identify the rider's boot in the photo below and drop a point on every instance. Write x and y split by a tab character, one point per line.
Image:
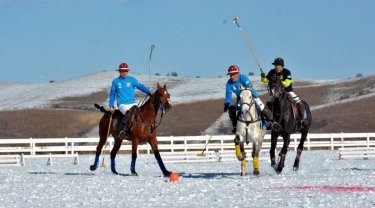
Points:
122	126
233	117
269	117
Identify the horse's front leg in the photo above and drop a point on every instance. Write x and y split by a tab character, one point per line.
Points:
154	146
115	149
240	154
282	155
274	136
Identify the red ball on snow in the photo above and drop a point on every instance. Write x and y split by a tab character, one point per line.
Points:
173	177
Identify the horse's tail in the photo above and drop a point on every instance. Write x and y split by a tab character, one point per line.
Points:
102	109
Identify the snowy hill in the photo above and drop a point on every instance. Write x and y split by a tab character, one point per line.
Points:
182	89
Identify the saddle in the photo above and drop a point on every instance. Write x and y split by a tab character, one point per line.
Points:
298	109
124	123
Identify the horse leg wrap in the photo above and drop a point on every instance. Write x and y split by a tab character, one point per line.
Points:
161	164
113	166
238	151
256	163
96	164
281	163
239	154
132	166
296	161
163	169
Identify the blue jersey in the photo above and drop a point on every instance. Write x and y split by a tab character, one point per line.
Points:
235	87
123	90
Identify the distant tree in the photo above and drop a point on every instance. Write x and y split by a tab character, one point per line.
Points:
359	75
157	74
51	81
174	74
251	73
219	76
197	77
167	74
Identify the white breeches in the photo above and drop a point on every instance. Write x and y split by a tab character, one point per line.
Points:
294	97
259	104
125	107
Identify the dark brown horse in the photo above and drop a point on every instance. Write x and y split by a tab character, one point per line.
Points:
143	130
285	115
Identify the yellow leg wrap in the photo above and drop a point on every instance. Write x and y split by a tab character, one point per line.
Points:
238	151
255	163
243	164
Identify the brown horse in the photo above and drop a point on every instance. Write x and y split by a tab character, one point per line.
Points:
142	131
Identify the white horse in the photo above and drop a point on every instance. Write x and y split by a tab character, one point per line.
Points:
248	130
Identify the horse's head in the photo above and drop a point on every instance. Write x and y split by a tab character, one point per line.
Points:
246	98
274	84
162	97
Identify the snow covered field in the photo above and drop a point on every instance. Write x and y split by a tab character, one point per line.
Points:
322	181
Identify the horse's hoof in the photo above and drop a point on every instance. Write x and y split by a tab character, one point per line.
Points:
167	173
114	172
279	170
295	168
93	167
256	172
134	173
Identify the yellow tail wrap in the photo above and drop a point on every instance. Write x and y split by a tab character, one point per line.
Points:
238	151
256	163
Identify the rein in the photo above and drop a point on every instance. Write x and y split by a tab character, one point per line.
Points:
281	114
157	104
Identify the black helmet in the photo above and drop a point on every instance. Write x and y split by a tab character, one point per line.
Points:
278	61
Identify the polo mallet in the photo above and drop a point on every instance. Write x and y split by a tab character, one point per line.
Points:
149	66
218	122
235	20
103	165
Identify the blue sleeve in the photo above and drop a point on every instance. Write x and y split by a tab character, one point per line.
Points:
112	95
228	95
245	81
141	87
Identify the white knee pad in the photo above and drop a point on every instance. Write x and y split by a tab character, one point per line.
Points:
259	103
294	97
125	107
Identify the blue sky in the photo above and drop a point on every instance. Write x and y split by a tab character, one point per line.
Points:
42	40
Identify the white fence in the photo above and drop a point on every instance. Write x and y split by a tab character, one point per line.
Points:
179	144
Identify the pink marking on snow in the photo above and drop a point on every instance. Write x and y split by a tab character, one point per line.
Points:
332	188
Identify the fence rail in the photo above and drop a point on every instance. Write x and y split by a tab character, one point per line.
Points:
32	146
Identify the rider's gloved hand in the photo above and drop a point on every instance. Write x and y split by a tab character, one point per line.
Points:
226	107
112	109
263	75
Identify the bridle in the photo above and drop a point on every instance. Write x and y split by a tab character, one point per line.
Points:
245	113
158	105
